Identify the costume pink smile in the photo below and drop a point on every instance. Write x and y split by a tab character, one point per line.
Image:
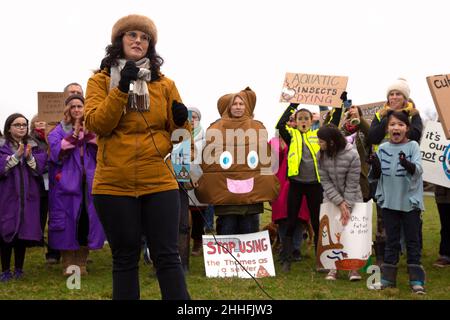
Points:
240	186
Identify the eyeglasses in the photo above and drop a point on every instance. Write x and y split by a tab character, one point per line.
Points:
133	35
19	125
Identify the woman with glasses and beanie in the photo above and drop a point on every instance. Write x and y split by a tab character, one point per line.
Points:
21	165
134	109
73	225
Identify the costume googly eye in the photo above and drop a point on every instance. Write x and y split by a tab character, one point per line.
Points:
226	160
252	159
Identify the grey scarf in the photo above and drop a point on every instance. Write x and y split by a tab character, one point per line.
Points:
139	99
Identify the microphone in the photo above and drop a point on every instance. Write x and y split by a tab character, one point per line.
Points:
131	95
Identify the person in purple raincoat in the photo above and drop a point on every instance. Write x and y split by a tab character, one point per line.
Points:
73	226
21	165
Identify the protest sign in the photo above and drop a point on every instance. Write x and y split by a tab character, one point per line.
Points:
51	106
440	91
435	155
313	89
181	159
181	154
369	110
252	250
344	247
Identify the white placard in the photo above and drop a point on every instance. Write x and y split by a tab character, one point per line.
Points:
435	149
252	250
344	247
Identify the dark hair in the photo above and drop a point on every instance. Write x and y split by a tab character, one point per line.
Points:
334	139
403	116
114	52
303	110
8	123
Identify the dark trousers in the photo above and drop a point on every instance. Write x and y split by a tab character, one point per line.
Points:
198	223
125	220
184	227
237	224
393	223
314	198
83	226
43	211
6	249
444	214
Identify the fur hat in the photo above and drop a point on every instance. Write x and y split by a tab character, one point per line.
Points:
400	85
134	22
73	96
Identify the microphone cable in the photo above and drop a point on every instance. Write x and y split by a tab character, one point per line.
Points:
204	219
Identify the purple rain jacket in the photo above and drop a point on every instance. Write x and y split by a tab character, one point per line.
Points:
66	187
17	184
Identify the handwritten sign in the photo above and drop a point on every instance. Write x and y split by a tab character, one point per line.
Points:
369	110
181	157
313	89
253	251
435	155
440	91
344	247
51	106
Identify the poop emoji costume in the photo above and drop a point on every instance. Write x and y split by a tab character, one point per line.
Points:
236	160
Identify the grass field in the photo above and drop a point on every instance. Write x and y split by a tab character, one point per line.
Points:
46	282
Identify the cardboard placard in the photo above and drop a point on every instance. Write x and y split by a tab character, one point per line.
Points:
51	106
369	110
435	150
440	91
252	250
313	89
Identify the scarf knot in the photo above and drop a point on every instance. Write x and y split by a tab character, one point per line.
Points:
138	97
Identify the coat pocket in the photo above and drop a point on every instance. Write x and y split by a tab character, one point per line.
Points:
57	221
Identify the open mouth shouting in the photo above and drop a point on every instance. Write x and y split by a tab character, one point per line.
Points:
397	136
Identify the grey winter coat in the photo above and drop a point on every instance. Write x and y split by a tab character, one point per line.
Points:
339	176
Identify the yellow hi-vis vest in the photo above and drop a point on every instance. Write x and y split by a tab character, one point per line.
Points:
296	147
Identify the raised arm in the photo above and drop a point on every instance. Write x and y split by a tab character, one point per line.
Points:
281	125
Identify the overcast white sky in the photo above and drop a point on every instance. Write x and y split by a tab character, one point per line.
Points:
216	47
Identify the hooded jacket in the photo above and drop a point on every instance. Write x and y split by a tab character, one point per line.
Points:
71	172
340	176
232	158
20	196
132	145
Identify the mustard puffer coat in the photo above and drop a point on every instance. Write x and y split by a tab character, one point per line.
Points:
130	162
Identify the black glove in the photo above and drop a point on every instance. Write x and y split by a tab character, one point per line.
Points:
180	113
374	161
344	96
409	166
129	73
